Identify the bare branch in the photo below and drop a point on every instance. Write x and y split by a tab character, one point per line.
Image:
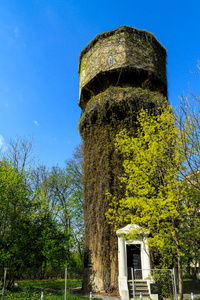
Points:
20	151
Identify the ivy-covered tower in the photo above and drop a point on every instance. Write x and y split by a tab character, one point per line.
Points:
121	71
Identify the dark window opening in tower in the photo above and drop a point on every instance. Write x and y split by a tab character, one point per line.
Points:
111	61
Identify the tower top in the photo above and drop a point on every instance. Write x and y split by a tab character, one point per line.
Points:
124	56
142	33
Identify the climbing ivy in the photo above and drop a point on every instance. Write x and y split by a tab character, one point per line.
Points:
105	115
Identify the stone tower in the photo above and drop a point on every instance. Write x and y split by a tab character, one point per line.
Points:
121	71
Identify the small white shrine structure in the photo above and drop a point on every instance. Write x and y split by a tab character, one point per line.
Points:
132	253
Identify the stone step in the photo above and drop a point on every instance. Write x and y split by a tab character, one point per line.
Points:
146	296
143	297
143	294
145	289
140	287
138	282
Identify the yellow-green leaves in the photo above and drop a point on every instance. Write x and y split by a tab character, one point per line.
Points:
155	196
151	167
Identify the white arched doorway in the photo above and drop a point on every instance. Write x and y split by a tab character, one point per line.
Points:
132	253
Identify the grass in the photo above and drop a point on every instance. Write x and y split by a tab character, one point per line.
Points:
58	284
52	289
34	295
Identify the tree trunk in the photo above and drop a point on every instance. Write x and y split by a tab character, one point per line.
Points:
180	275
194	275
11	280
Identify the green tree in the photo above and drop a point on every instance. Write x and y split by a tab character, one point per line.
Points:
60	193
16	208
41	220
29	238
49	246
188	123
156	193
74	170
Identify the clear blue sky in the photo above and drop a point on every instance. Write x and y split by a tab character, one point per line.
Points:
40	41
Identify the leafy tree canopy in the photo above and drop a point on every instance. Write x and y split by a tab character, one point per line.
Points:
156	193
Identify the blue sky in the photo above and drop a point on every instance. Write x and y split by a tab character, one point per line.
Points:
40	42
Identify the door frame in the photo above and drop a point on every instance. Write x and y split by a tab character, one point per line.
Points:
123	240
